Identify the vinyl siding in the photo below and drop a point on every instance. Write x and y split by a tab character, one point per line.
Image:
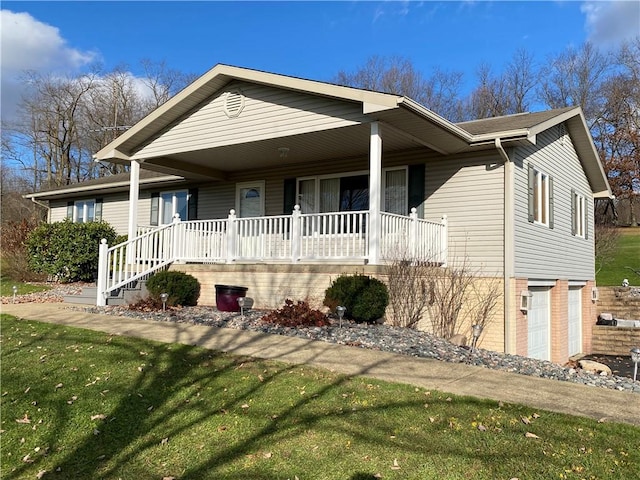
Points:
470	192
541	252
267	113
115	210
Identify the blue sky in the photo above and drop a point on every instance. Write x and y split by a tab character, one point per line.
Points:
306	39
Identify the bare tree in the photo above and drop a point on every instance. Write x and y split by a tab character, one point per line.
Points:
397	75
575	78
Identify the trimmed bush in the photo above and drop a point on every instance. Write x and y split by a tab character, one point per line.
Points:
298	314
365	298
68	251
183	289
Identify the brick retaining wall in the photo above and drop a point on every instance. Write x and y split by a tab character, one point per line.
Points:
614	340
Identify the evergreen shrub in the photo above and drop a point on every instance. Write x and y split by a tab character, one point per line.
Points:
364	297
183	289
67	251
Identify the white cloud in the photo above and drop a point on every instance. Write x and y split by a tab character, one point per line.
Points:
28	44
609	24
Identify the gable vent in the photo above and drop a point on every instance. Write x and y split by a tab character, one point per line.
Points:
233	103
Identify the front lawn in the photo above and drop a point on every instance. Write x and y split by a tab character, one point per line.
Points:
627	255
85	405
6	287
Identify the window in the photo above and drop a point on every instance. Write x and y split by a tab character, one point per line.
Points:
82	211
350	192
578	215
164	205
250	199
540	197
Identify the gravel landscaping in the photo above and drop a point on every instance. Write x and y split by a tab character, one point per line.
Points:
377	337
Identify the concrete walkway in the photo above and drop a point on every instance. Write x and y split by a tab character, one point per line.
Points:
556	396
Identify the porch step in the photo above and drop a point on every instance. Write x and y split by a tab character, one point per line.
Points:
122	296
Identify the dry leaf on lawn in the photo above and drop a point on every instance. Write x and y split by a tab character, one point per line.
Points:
24	419
531	435
100	416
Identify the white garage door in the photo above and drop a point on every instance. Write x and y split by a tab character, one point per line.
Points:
539	323
575	320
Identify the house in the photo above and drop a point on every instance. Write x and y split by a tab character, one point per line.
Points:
280	184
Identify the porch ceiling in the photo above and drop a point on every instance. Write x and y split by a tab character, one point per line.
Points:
340	143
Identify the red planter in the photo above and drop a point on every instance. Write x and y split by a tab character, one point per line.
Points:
227	297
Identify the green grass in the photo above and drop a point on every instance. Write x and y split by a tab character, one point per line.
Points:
6	287
628	255
84	405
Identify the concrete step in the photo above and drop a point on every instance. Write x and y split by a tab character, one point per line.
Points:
122	296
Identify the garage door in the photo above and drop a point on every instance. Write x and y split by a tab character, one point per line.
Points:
575	320
538	319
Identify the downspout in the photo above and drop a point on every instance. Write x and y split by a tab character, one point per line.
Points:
44	206
509	249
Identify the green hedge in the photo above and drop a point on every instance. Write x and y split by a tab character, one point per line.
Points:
68	251
365	298
182	288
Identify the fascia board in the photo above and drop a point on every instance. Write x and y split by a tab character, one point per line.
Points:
101	186
435	118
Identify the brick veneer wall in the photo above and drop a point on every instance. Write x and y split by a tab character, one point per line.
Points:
522	329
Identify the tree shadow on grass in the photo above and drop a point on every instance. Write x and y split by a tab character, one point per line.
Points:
179	389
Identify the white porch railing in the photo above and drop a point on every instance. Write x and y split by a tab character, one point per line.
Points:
341	236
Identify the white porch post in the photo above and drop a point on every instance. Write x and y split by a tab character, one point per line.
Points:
375	185
231	237
103	272
134	188
296	234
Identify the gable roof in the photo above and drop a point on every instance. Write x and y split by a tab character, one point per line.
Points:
529	125
401	116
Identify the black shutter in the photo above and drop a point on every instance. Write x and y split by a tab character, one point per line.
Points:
97	214
70	210
289	195
192	209
415	187
155	206
531	180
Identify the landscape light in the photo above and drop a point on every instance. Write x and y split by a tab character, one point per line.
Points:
476	331
164	297
635	357
340	311
15	291
241	305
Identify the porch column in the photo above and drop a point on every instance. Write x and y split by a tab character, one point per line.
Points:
375	183
134	188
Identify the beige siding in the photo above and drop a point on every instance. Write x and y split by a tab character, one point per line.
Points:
115	210
542	252
267	113
470	192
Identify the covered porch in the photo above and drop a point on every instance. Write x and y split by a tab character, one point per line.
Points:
336	237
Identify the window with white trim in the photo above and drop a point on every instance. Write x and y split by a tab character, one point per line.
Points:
172	203
540	197
578	215
250	199
82	211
